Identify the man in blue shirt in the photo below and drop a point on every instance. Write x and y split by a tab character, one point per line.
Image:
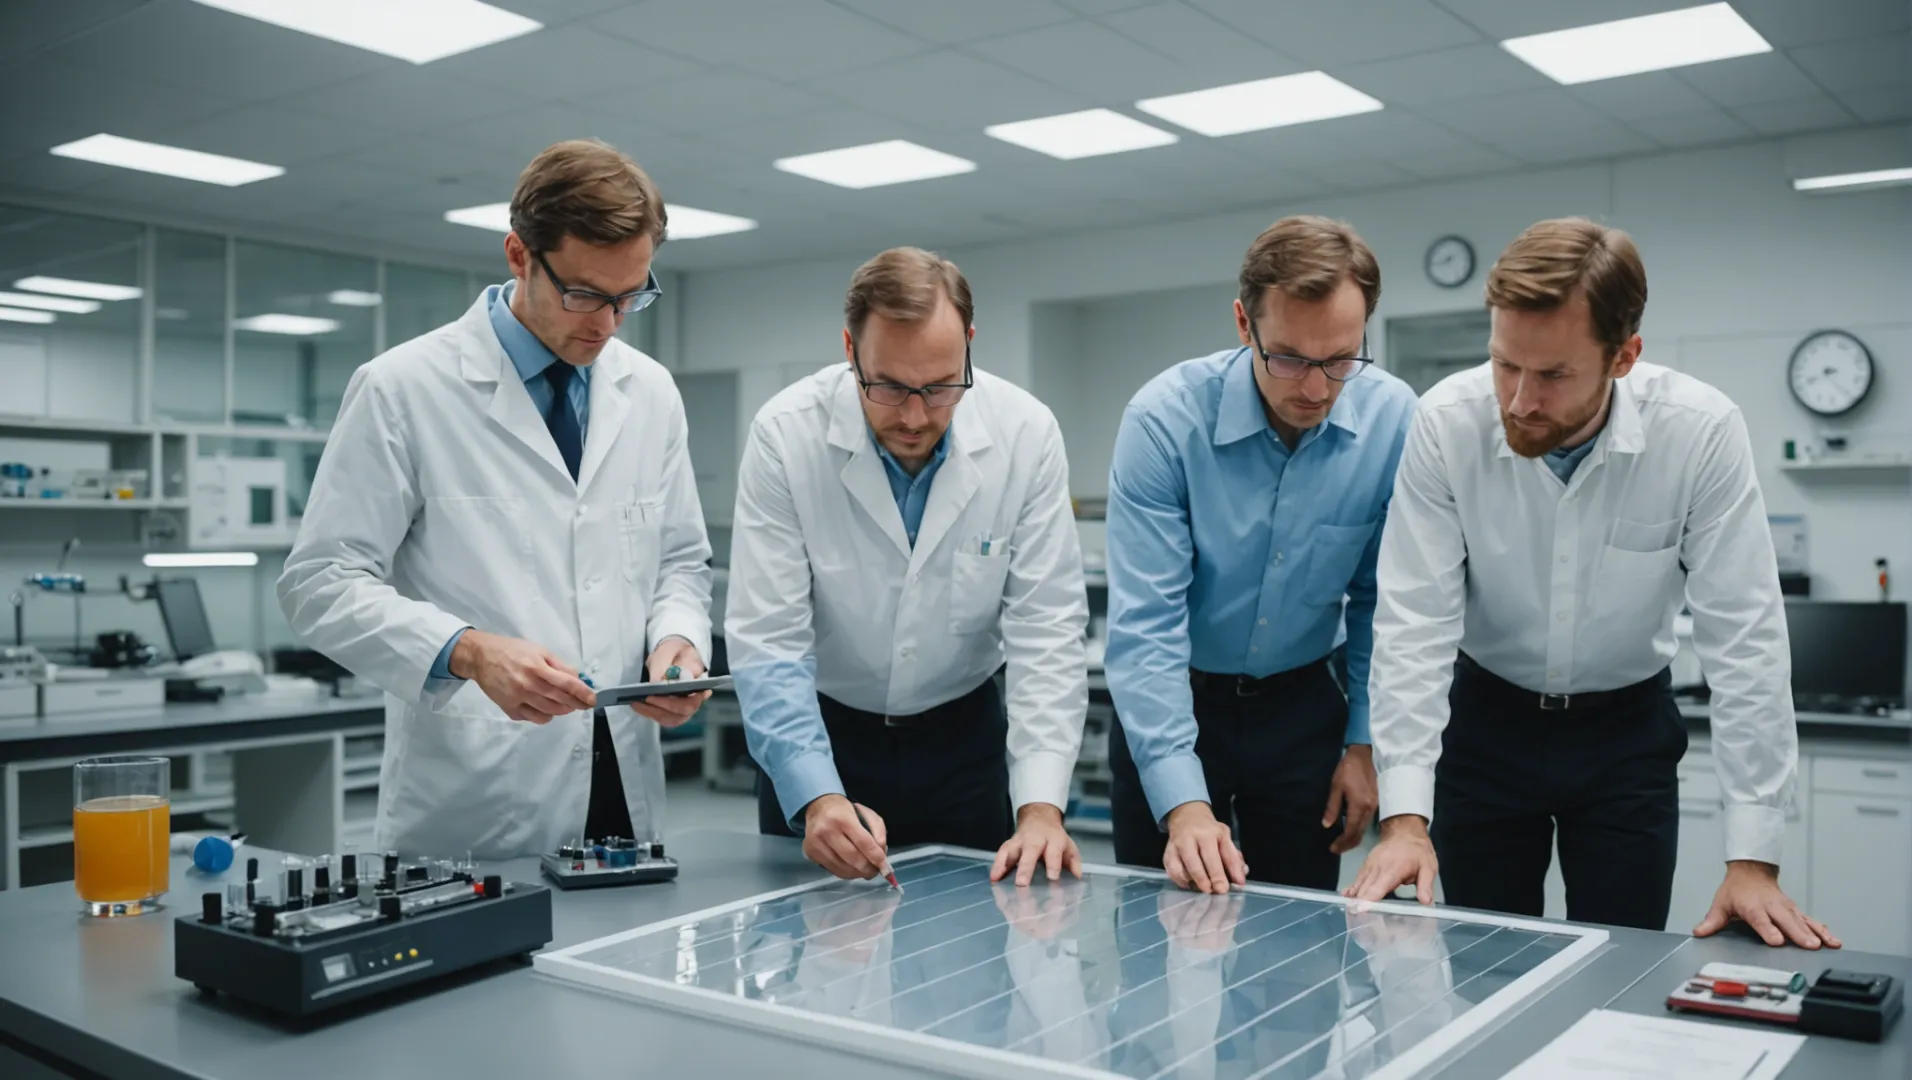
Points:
1245	502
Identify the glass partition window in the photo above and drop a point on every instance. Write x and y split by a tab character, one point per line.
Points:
420	299
70	315
303	322
189	328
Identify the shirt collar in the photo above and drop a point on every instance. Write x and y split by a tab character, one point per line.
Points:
1241	414
1625	432
527	354
936	457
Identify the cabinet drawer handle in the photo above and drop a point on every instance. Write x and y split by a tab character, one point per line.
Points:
1879	811
1879	774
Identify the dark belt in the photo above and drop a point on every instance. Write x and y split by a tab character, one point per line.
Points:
1562	702
1208	682
955	709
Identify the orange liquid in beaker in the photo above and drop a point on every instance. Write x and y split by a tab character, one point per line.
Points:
120	848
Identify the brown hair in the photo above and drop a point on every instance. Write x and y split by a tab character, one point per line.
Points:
587	189
1307	256
1547	264
903	284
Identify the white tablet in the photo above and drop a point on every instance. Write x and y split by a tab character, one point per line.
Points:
624	695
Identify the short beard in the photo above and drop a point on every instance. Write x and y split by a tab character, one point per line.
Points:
1526	443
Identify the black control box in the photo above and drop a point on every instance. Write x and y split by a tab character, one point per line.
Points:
1851	1005
602	864
302	952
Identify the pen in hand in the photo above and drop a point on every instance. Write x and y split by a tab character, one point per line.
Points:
888	874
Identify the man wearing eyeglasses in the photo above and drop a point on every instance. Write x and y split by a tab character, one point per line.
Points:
903	530
505	514
1246	497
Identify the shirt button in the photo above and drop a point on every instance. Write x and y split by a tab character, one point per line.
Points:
1254	648
1562	617
1261	622
581	509
1563	558
1279	556
577	751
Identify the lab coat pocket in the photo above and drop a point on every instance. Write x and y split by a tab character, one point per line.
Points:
1337	554
975	591
640	534
1634	536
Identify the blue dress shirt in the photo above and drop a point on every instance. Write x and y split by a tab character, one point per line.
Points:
530	357
1230	553
912	492
1565	460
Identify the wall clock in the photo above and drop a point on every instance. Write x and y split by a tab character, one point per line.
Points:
1830	372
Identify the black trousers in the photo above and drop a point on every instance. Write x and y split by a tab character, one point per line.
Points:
608	813
1269	760
1604	774
941	777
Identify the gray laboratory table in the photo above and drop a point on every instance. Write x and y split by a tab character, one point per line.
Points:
91	999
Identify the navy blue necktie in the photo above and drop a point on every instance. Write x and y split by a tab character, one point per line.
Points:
562	421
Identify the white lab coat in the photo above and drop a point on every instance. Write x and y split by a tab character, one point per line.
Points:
441	502
820	565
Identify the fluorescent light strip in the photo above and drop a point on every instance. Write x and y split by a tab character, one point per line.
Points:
192	559
897	161
1089	133
1608	50
690	223
493	216
1265	103
90	290
167	160
275	323
1858	181
8	314
353	298
49	303
416	30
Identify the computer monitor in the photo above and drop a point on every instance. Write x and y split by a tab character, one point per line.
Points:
185	616
1847	649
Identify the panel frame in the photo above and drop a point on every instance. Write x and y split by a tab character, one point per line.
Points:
938	1053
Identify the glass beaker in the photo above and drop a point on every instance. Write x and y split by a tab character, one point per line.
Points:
122	826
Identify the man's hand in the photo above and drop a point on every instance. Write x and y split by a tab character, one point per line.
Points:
1405	854
1040	839
674	710
523	679
834	839
1200	854
1200	922
1043	914
1751	892
1354	790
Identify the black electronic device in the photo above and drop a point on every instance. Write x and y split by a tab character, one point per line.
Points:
184	614
625	695
1851	1005
1847	651
601	864
301	953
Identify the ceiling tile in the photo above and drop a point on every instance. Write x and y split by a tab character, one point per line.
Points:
711	100
1504	116
1803	114
1653	93
1092	59
1696	128
1576	144
560	12
570	62
944	23
1348	32
1880	104
29	25
790	39
406	99
1104	7
1883	60
526	132
1503	19
218	52
1748	80
809	132
274	134
1375	136
1194	37
83	102
1791	23
949	90
1464	161
1445	75
436	157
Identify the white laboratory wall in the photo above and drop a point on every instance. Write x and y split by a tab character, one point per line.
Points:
1740	269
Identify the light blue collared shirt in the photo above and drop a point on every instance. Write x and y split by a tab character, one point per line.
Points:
912	492
1230	553
1565	460
530	357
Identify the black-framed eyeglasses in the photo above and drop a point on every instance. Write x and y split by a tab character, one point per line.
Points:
584	301
1284	366
935	395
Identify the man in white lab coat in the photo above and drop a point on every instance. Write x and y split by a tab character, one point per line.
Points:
903	528
502	503
1553	509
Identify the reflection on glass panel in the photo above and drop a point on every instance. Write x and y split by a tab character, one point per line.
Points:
189	318
304	323
301	463
420	299
69	315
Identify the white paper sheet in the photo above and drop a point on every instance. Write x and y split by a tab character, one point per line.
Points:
1608	1045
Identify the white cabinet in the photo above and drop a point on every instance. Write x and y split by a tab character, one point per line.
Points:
1702	863
1862	852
